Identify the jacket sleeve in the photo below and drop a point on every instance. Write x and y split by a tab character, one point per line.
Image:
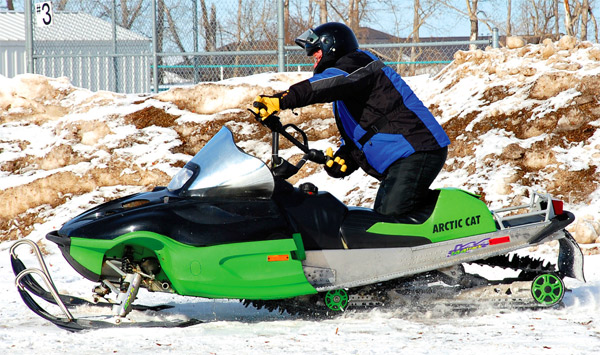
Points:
296	96
331	85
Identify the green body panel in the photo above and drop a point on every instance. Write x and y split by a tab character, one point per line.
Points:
238	270
458	214
300	253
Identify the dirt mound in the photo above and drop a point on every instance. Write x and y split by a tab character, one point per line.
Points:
519	119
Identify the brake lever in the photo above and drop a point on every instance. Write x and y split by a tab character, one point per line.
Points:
274	124
255	114
272	121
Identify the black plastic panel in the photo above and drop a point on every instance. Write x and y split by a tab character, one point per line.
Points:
196	222
317	217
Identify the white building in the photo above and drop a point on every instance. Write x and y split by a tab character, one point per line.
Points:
81	47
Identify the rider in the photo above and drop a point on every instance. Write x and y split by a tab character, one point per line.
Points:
385	129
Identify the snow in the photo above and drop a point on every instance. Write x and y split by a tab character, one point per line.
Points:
519	119
232	328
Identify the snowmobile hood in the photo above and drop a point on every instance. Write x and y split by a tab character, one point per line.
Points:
202	192
222	169
102	216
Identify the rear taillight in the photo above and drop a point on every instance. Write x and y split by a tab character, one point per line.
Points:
558	207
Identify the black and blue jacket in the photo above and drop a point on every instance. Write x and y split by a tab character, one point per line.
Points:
377	113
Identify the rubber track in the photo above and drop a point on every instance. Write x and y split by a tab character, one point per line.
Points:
307	307
530	267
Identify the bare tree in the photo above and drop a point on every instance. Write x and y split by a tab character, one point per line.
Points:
351	12
568	18
579	14
595	24
252	32
209	25
130	10
536	18
508	17
175	33
422	10
61	5
304	18
239	33
129	13
286	21
322	11
542	17
555	7
585	9
472	12
417	22
310	11
9	5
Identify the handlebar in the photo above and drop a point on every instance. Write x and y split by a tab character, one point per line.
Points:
304	145
287	170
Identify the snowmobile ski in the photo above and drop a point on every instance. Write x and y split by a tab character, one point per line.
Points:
28	286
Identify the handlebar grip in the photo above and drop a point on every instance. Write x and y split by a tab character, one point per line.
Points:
259	105
316	156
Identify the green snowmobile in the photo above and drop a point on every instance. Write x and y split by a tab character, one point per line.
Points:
229	226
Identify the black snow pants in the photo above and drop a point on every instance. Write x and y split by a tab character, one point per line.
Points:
406	185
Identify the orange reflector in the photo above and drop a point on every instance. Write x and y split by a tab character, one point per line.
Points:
278	257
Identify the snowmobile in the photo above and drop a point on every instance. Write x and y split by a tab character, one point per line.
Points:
228	226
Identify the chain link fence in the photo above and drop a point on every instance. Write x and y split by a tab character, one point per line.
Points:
151	45
219	40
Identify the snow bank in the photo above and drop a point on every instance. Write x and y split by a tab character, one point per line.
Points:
519	119
529	116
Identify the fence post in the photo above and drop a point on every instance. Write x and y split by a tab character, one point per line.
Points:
280	37
195	31
154	45
114	45
29	37
495	38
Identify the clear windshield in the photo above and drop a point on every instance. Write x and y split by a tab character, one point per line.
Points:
224	170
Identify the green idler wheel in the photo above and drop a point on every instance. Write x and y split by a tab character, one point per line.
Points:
336	300
547	289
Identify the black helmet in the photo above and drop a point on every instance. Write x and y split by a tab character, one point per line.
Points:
333	38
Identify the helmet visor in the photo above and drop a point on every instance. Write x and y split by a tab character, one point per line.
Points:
308	40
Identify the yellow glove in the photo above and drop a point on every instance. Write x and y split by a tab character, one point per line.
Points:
335	166
265	106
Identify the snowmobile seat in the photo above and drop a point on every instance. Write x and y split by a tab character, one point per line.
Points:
359	220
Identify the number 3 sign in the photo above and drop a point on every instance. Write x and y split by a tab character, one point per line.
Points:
43	13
